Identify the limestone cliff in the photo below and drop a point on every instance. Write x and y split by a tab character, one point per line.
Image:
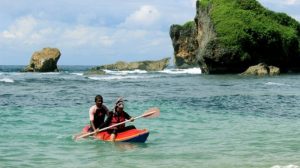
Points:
185	44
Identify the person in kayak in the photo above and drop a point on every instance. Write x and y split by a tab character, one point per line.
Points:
118	116
97	114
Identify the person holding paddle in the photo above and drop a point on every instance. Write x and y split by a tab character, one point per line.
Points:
118	116
97	114
150	113
114	122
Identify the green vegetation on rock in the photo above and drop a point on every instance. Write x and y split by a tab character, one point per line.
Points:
251	33
189	25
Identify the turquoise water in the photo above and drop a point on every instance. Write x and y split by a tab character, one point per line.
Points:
216	121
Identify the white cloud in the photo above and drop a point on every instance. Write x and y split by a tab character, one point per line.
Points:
145	16
291	2
80	36
106	41
91	29
281	2
21	28
28	30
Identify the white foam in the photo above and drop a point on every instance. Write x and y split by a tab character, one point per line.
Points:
7	80
79	74
276	84
182	71
137	71
114	77
49	73
16	73
287	166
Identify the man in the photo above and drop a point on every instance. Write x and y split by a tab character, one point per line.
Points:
97	114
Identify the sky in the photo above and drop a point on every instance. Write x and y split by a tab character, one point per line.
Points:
97	32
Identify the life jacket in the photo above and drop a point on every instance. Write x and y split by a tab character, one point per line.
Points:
117	118
99	117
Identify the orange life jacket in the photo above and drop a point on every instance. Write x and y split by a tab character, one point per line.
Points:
117	118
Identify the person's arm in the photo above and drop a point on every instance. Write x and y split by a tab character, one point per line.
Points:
93	126
128	117
91	114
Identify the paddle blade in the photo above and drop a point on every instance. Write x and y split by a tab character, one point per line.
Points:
152	113
81	135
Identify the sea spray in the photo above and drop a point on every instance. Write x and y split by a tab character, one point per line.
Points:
7	80
288	166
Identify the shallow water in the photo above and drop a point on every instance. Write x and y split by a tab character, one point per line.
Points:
216	121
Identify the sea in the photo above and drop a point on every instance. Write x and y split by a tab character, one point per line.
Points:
206	121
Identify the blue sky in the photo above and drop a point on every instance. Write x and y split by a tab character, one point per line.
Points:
96	32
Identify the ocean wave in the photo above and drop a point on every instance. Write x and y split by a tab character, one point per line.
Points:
14	73
114	77
276	84
287	166
182	71
31	73
137	71
49	73
7	80
79	74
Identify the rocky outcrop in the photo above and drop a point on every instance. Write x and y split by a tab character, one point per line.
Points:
94	71
235	34
142	65
185	44
262	70
44	61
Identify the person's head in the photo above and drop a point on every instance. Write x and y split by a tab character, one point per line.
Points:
119	104
99	100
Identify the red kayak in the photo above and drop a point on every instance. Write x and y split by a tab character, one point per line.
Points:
132	135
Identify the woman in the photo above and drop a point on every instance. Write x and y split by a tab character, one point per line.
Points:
119	115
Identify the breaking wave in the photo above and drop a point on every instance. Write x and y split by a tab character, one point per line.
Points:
287	166
182	71
276	84
115	77
137	71
7	80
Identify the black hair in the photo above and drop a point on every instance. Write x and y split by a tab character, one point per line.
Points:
98	97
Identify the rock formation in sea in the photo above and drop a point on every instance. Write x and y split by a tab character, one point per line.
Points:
44	60
142	65
233	35
94	71
185	44
262	70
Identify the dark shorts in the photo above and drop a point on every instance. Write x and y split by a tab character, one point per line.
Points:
90	129
115	131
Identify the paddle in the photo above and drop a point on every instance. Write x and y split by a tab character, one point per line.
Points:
150	113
